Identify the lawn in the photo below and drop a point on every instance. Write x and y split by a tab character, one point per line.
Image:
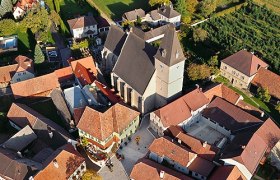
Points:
116	8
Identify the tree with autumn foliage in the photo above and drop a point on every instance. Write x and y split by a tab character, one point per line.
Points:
198	72
158	2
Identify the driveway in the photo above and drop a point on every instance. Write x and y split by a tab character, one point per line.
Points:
133	152
117	173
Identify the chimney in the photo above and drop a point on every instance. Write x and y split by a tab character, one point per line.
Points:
262	115
197	86
161	175
204	144
50	131
55	163
243	147
19	154
177	54
163	52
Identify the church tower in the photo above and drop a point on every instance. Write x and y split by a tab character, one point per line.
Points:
169	64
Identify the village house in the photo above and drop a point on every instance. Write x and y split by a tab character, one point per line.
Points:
8	44
161	71
64	163
169	15
267	79
50	133
84	26
241	67
227	172
35	87
202	149
105	128
132	16
154	170
21	71
183	111
181	159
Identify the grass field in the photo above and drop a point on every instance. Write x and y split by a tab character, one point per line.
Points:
115	8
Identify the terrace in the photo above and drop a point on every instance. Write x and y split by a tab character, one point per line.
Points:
8	44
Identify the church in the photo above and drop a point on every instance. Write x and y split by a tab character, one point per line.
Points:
146	77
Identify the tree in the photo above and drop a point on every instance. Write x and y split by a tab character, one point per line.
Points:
199	35
36	21
180	6
198	72
91	175
8	27
38	55
213	61
263	94
191	5
84	141
206	7
55	17
158	2
5	7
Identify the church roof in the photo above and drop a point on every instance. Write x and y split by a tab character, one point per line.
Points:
136	63
170	51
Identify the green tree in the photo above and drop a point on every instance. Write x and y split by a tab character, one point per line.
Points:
81	44
158	2
36	20
191	5
199	35
206	7
5	7
38	55
7	27
84	141
55	17
213	61
277	107
198	72
263	94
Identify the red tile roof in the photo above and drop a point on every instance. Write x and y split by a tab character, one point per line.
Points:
228	173
64	74
35	86
179	110
81	22
7	72
270	133
102	125
228	115
201	166
87	62
68	160
172	151
84	75
245	62
152	172
250	109
268	79
107	92
222	91
205	151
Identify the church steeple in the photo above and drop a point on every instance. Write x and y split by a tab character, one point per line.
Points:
170	51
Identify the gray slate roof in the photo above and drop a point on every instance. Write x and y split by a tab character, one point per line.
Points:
21	139
150	34
132	15
115	39
168	12
170	51
135	64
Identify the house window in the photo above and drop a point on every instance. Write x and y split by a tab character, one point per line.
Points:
18	79
24	73
19	74
242	77
225	67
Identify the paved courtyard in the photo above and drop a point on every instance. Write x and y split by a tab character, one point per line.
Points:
117	173
204	132
132	152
